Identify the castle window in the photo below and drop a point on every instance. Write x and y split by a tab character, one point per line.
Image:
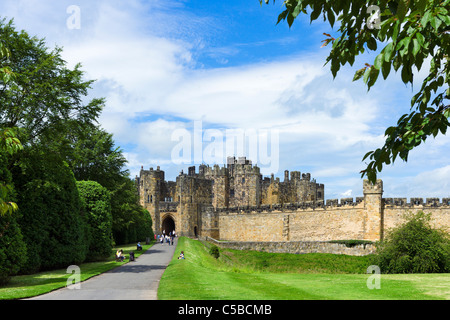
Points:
151	198
231	192
243	180
243	194
148	198
319	195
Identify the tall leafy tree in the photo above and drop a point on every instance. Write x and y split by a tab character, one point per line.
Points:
408	34
45	99
131	222
92	155
9	144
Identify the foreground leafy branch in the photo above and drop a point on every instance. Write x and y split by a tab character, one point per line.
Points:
412	32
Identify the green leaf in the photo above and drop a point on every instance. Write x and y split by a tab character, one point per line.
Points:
396	63
359	74
407	75
426	18
445	19
282	16
331	17
389	51
401	10
372	44
416	47
366	155
420	38
379	61
386	69
366	75
316	13
435	22
373	77
395	31
405	44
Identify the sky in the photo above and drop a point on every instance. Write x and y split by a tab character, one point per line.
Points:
191	82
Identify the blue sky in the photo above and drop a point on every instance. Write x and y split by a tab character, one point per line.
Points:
165	67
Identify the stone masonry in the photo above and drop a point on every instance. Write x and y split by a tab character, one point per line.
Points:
236	203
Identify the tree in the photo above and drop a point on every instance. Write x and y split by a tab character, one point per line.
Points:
414	247
410	33
9	144
45	99
92	155
131	222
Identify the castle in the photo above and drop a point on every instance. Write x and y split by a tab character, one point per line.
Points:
235	203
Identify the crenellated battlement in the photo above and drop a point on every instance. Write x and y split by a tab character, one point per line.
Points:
206	171
429	202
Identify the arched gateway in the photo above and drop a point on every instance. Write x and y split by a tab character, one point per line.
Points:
168	224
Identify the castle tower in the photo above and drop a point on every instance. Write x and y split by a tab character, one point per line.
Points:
149	183
245	184
373	206
221	185
194	194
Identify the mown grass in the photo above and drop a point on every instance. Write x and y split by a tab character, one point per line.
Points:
25	286
250	275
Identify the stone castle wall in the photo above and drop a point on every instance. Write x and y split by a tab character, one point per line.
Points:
267	210
342	222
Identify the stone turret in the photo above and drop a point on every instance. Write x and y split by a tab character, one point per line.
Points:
373	207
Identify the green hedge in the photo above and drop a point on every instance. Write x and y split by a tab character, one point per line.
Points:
96	208
12	246
53	228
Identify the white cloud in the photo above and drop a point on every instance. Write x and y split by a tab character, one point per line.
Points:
143	55
347	193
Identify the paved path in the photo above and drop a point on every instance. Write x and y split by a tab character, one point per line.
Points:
136	280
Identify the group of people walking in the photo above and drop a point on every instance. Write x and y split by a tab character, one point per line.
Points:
166	238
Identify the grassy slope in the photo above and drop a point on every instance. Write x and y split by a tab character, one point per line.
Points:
244	276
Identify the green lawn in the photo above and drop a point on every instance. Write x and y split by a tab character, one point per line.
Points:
250	275
26	286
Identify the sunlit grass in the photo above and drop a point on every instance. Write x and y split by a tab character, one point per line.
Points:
251	275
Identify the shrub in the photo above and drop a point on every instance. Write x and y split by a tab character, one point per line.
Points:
12	246
49	204
96	208
214	251
414	247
